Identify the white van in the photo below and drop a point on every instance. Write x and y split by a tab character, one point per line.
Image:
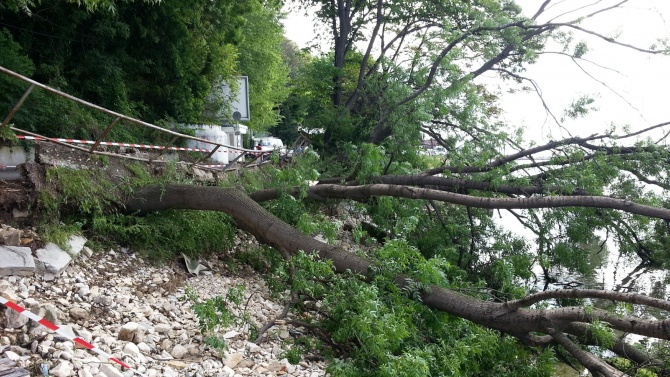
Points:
269	144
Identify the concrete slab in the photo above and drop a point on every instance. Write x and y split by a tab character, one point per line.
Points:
51	259
16	260
76	244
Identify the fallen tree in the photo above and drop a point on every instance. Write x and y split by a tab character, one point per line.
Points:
451	199
532	326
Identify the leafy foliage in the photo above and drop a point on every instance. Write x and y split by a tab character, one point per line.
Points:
260	58
86	199
159	67
164	236
218	313
383	331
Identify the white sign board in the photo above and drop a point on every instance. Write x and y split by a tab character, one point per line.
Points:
239	101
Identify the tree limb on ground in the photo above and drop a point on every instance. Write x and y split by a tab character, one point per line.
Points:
510	318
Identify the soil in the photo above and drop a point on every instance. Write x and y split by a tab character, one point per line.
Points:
16	197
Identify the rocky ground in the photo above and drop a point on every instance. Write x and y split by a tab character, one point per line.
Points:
139	313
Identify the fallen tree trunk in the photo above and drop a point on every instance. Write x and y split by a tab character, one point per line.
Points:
512	318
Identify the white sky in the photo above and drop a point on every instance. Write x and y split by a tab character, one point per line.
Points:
641	79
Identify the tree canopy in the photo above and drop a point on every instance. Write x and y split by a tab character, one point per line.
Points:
151	61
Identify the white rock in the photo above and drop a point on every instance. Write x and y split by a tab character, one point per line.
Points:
169	372
227	371
131	349
165	355
130	332
87	252
30	302
143	347
76	244
84	290
122	300
109	371
178	351
63	369
166	344
16	260
51	259
162	328
233	359
14	320
252	347
12	355
231	334
78	314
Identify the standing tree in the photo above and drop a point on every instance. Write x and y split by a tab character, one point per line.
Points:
153	61
260	58
417	62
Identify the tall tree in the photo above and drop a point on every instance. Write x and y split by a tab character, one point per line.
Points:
260	58
151	61
419	56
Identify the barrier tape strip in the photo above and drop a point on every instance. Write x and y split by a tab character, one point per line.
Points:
26	313
145	146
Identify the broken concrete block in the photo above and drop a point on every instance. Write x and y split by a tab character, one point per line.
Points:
52	259
16	260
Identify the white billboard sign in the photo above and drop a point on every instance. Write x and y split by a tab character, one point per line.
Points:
239	101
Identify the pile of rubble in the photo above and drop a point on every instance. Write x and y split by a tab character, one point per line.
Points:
130	309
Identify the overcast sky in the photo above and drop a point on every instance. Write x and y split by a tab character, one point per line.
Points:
639	82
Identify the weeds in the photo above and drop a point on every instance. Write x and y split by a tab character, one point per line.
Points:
218	313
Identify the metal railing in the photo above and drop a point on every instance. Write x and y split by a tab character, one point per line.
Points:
94	149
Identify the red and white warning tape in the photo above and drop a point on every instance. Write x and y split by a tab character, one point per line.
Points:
145	146
26	313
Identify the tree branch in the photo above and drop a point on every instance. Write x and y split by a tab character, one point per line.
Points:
250	216
632	298
367	191
512	157
596	366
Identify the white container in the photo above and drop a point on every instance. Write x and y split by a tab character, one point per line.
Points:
212	133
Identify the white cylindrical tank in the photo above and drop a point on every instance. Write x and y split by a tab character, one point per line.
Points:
213	133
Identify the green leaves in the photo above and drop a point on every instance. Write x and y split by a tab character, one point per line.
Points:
166	70
579	108
260	58
218	313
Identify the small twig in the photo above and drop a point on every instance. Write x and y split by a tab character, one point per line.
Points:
319	333
249	299
273	322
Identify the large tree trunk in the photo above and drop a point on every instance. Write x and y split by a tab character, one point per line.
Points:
510	318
